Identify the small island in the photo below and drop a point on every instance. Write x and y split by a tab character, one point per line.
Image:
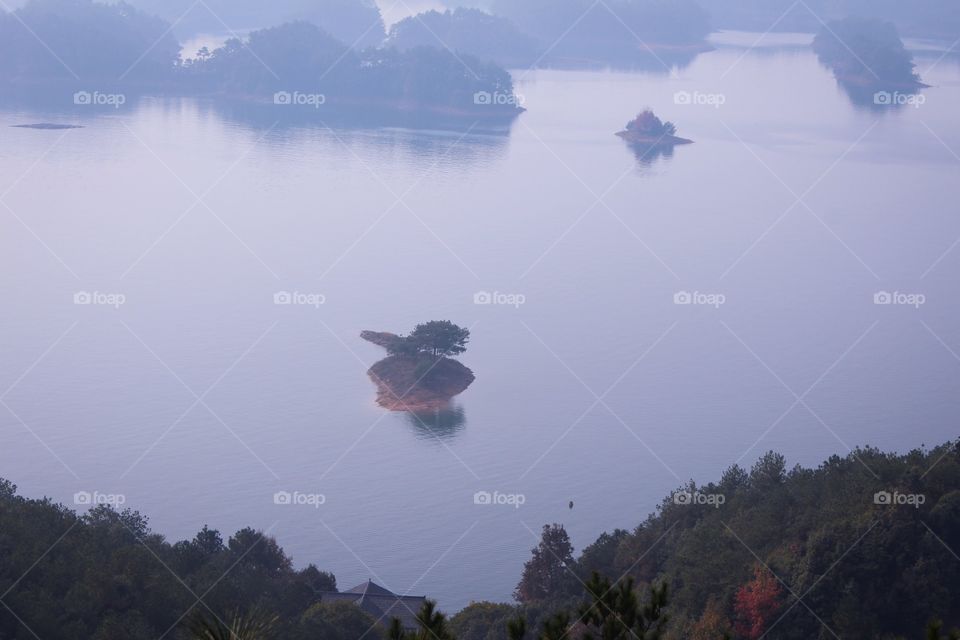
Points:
419	374
867	58
650	131
48	126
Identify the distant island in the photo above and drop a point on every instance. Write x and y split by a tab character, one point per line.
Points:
47	125
867	57
468	31
120	51
419	375
650	131
620	33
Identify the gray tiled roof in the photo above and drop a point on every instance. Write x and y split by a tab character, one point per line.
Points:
380	603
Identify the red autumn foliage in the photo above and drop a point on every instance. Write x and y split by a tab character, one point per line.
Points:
756	604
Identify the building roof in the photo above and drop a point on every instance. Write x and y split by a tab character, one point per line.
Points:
382	604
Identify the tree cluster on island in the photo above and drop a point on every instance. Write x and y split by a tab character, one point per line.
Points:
522	33
866	56
649	130
470	31
116	47
437	338
419	375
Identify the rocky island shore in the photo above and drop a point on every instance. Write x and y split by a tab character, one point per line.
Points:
416	376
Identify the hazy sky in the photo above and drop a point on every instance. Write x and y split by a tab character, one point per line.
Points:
394	11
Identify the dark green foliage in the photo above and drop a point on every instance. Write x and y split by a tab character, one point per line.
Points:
251	626
440	338
556	627
866	569
336	621
437	338
614	612
483	621
869	51
550	573
516	629
105	575
432	626
934	632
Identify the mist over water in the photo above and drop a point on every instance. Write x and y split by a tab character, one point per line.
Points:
286	405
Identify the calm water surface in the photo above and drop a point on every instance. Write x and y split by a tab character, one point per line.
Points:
199	398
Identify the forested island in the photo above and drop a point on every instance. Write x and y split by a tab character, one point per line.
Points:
918	18
355	22
648	130
564	33
60	47
470	31
864	540
650	138
419	374
618	32
867	57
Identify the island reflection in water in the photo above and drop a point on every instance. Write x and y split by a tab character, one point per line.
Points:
438	424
